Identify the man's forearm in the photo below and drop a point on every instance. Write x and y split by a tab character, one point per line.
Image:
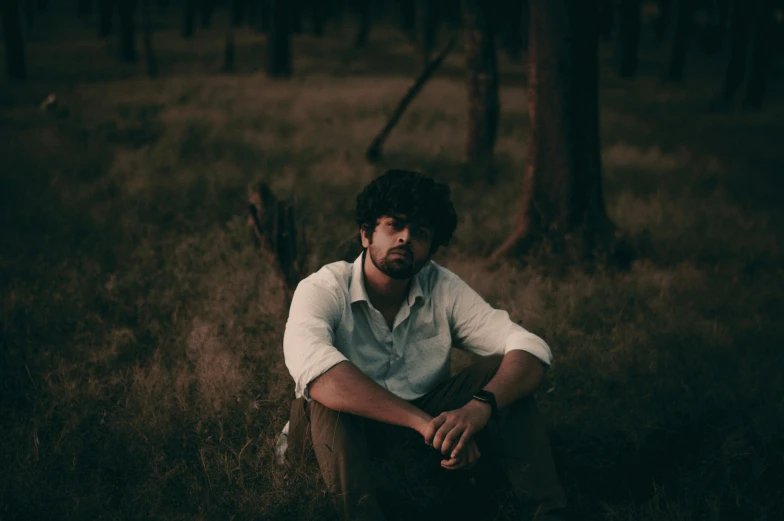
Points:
345	388
519	374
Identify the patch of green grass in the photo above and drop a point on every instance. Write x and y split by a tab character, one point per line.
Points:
142	372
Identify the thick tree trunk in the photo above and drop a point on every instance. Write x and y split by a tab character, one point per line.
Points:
127	12
279	41
562	188
481	80
149	54
106	11
684	27
16	66
188	18
363	8
426	18
628	37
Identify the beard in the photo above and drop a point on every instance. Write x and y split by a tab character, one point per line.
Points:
396	267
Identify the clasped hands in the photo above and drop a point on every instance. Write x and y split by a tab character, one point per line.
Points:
452	432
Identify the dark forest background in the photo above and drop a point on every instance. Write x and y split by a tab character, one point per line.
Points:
169	169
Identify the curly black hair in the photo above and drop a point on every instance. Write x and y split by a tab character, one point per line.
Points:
419	198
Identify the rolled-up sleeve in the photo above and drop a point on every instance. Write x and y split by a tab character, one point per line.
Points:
308	341
481	329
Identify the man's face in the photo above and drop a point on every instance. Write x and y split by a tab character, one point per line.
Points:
398	248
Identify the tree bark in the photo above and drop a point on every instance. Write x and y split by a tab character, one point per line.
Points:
426	28
127	12
106	11
736	69
512	23
279	41
684	27
149	54
363	8
628	37
481	81
318	16
16	65
188	18
562	187
408	15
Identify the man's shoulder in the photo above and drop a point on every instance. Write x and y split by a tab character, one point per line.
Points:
438	278
334	276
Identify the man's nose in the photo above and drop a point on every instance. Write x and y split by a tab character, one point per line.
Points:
404	236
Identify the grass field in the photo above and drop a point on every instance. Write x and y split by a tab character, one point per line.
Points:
142	373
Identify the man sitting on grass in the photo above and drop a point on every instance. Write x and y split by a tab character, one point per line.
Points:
368	345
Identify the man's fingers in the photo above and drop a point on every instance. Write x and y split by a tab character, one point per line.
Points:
452	463
438	439
464	439
449	442
432	427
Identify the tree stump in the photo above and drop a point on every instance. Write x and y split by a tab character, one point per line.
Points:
274	226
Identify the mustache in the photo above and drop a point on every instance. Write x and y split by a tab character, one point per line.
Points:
405	251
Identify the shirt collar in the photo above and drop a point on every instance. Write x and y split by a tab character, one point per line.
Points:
357	290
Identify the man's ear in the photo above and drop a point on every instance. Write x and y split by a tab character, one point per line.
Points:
366	239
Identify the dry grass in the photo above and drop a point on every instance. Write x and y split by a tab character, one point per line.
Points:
142	374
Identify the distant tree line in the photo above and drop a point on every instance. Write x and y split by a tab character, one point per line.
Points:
561	185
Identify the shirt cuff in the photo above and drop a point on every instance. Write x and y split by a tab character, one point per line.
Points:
532	344
315	370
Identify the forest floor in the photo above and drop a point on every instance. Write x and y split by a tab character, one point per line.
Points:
141	368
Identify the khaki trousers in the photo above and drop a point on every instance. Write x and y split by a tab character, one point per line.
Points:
344	443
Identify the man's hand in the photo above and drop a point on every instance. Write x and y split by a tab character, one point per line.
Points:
465	459
451	431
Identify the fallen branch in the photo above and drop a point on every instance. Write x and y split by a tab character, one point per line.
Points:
373	153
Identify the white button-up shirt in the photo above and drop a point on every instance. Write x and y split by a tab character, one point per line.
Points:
331	320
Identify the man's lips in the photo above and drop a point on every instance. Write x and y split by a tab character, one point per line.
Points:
405	254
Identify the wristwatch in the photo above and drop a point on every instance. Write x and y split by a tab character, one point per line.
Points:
487	397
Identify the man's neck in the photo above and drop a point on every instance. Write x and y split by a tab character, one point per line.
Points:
384	291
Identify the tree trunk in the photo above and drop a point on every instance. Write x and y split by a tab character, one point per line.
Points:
318	16
481	80
713	33
363	8
426	28
607	18
15	63
562	187
628	37
279	42
149	55
512	23
764	28
106	11
684	27
295	12
237	12
736	68
188	18
207	10
664	19
408	15
127	11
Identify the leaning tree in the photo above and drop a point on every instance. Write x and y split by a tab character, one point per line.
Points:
562	183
